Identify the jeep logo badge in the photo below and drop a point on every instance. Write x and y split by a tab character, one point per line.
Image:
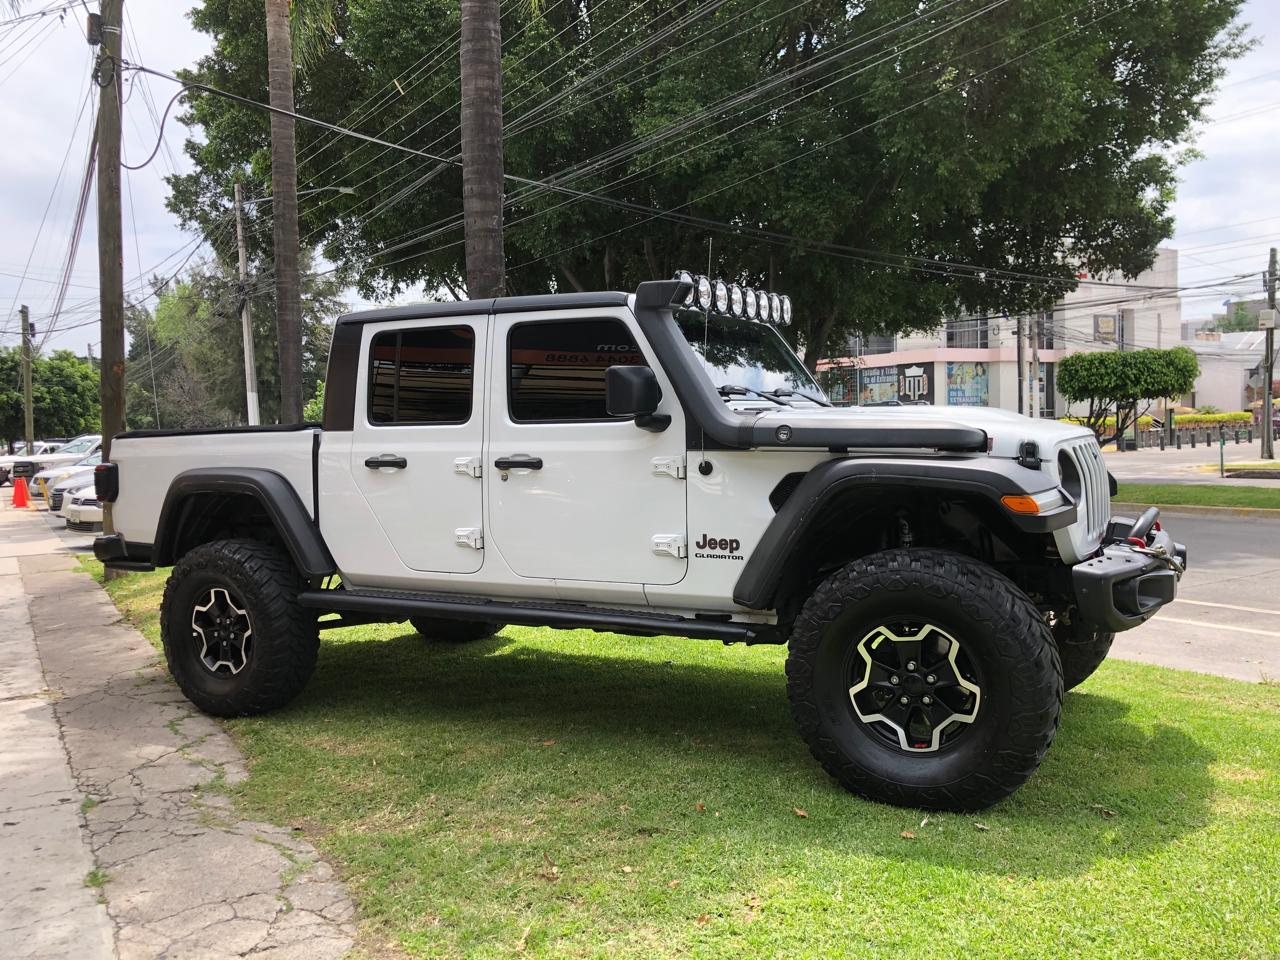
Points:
719	548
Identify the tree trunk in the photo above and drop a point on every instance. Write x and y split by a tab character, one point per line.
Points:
480	60
816	343
284	210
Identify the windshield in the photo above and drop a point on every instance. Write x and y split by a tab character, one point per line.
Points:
740	352
78	446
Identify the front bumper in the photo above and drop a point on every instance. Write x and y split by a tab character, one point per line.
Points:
1126	584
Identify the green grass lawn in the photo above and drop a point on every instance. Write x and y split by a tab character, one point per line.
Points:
580	795
1199	494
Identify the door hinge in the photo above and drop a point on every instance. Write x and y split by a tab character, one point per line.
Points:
673	545
468	466
668	467
469	537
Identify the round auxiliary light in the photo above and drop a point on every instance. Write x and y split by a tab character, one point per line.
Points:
736	304
752	306
702	289
786	311
762	305
775	308
720	292
684	276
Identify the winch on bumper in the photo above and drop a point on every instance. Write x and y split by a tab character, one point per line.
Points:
1135	575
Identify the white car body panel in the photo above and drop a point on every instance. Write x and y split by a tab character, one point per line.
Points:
148	465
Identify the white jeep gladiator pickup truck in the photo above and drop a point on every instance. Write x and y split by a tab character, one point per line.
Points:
657	463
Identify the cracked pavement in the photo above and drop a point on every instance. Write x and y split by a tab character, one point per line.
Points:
116	842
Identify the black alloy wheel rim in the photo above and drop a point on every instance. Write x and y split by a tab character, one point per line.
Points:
221	632
913	686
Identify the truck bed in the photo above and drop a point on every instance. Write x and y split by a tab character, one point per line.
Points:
148	461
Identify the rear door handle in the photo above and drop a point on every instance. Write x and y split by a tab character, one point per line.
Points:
386	460
518	463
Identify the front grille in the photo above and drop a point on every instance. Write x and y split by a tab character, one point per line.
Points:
55	499
1095	489
84	526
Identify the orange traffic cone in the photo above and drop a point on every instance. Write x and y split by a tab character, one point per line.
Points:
20	497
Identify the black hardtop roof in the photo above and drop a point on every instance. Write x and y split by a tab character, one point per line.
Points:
464	308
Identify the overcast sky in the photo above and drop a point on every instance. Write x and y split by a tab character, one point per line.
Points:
1228	207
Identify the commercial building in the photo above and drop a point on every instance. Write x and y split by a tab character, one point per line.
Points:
974	360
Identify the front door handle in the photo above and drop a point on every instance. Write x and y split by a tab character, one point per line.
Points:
518	463
386	460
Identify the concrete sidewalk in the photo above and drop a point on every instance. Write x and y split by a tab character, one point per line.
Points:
112	846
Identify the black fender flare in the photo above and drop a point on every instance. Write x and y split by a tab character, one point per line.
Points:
277	497
988	478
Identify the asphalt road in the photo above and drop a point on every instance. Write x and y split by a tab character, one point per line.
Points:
1226	619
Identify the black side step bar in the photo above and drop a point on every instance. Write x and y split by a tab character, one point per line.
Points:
401	605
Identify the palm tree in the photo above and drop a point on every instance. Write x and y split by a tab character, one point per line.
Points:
480	60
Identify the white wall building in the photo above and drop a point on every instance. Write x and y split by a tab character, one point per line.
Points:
974	361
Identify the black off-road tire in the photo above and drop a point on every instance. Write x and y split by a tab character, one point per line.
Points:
285	637
1081	651
1002	634
454	631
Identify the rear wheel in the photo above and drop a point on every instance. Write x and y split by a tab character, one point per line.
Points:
454	631
1081	651
236	640
923	678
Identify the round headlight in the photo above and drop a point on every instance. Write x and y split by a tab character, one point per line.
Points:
775	308
762	304
684	276
703	288
736	305
786	311
749	296
721	294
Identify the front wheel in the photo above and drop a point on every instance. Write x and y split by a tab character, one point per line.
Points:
235	637
924	678
1081	651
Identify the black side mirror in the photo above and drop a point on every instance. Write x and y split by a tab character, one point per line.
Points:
634	392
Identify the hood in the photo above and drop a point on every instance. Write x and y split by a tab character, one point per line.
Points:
1007	430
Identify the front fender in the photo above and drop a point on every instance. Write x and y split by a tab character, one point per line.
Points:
988	478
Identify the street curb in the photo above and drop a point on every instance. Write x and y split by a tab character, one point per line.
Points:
1261	513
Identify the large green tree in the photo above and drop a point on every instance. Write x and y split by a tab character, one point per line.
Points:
861	157
1115	384
64	393
187	353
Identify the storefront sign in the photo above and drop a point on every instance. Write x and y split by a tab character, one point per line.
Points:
968	385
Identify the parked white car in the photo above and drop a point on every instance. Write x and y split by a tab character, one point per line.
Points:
84	510
42	447
71	452
60	481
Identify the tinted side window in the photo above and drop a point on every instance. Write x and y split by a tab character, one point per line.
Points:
421	376
557	368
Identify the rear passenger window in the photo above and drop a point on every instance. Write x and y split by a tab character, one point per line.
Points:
557	368
421	376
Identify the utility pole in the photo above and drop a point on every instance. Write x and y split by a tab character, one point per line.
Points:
1035	365
284	210
1268	365
246	325
1022	363
110	242
29	430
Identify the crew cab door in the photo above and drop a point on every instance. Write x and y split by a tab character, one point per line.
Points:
575	494
415	454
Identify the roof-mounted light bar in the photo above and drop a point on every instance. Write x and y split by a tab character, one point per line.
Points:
732	299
